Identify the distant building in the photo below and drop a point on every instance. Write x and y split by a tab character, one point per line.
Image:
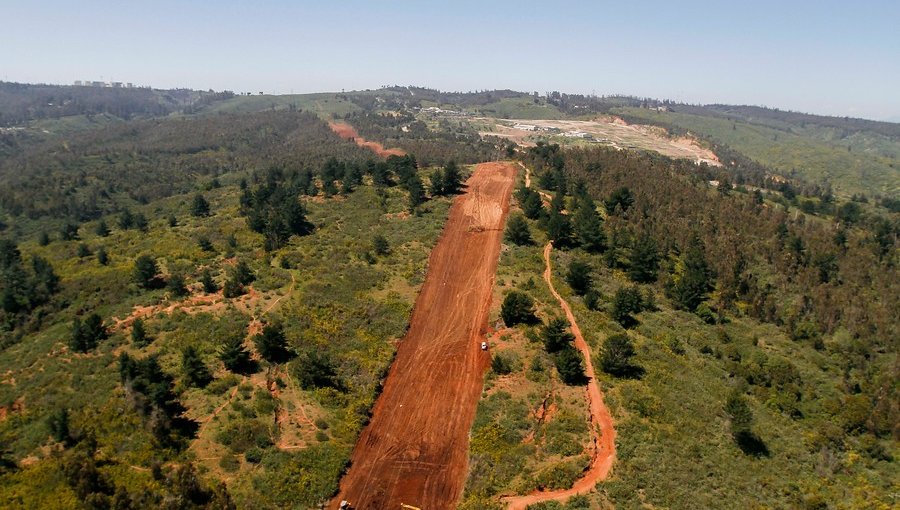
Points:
576	134
525	127
78	83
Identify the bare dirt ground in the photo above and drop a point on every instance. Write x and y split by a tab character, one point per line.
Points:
603	453
606	130
347	131
414	451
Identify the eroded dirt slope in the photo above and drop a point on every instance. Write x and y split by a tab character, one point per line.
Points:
415	448
348	132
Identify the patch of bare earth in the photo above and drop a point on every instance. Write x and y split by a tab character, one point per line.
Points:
414	451
348	132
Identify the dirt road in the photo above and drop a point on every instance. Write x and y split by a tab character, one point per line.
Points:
347	131
603	453
415	448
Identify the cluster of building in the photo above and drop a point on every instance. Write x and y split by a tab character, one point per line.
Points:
434	110
106	84
552	130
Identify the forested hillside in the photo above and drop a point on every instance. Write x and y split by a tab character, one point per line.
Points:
739	339
23	102
198	306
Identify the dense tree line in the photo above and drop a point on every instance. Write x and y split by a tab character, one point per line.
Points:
101	171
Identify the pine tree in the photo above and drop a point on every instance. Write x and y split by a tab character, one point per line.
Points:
102	256
380	245
452	179
621	198
139	333
416	192
209	285
176	286
644	260
627	302
693	278
517	308
559	228
145	271
436	181
242	273
570	365
102	229
199	206
556	335
579	277
271	344
126	220
531	203
86	335
588	227
44	238
140	222
517	231
235	357
195	371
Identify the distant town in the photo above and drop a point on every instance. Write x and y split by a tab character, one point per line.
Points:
105	84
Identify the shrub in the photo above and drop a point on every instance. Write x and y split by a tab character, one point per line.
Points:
145	271
500	364
592	300
317	369
626	302
615	358
176	286
380	245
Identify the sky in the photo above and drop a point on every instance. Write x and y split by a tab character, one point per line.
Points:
827	57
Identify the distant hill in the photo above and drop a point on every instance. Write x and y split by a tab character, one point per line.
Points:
853	156
23	102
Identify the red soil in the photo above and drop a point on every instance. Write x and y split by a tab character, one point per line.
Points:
603	452
415	448
347	131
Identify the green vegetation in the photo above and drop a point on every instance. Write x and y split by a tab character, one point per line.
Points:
851	160
278	213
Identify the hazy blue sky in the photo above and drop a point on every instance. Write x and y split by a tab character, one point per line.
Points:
840	58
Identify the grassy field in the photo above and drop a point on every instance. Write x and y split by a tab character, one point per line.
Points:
870	166
275	444
519	108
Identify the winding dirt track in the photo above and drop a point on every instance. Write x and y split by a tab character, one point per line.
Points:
415	448
603	431
348	132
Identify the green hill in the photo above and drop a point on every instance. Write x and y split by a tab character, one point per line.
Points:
864	160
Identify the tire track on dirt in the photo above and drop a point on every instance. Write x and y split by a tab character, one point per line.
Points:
603	431
415	448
